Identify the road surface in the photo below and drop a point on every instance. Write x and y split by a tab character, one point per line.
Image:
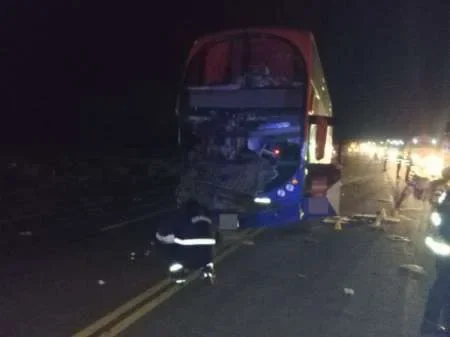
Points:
277	283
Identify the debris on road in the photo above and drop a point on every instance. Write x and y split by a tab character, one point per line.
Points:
349	291
385	200
334	219
412	269
378	224
331	219
365	216
26	233
338	225
248	242
302	276
392	219
101	282
311	240
396	237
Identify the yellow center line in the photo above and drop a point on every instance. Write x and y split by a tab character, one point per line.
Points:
107	319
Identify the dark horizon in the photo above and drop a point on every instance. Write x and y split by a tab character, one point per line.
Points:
105	75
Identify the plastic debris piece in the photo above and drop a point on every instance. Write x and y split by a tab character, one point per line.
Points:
398	238
101	282
385	200
392	219
378	224
349	291
365	216
248	242
26	233
302	276
413	268
310	240
334	219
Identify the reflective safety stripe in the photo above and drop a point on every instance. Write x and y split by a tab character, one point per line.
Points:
174	267
439	247
195	242
165	238
199	218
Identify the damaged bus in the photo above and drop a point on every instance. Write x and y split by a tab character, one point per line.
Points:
256	129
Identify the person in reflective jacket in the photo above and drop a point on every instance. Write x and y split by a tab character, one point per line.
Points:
409	165
192	241
438	241
399	160
423	189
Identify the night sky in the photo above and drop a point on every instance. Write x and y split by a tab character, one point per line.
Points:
90	73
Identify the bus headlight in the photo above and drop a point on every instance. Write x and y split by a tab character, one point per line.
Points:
289	187
262	200
436	219
281	193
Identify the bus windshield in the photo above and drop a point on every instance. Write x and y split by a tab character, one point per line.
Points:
246	62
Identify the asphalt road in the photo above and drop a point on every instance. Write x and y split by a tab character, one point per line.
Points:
285	285
281	284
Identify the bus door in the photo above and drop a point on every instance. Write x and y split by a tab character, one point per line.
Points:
322	184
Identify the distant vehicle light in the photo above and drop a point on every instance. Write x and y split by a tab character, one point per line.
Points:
295	181
415	141
434	141
276	152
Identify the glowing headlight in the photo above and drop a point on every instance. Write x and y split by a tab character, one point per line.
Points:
437	246
281	193
174	267
436	219
289	187
262	200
